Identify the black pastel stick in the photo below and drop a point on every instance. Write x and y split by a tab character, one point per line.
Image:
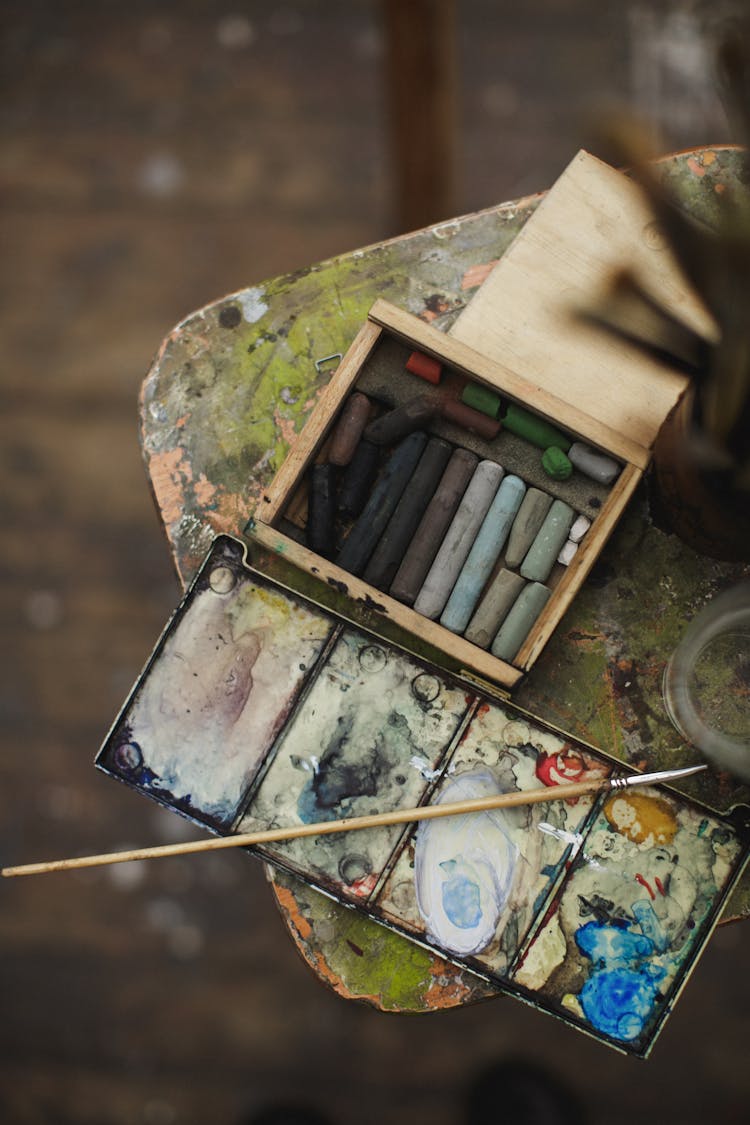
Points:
361	540
357	479
321	510
395	539
413	415
433	525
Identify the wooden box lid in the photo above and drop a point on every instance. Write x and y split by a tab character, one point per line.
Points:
593	221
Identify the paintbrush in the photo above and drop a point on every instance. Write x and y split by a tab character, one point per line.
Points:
354	823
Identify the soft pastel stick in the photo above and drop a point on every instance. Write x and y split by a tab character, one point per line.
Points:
458	539
593	464
321	510
361	541
494	607
483	555
394	541
579	528
425	367
542	554
433	526
348	429
357	479
534	429
534	508
517	625
482	398
468	419
413	415
568	552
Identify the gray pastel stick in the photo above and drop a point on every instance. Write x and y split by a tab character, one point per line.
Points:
458	539
534	508
433	526
517	625
594	464
542	554
361	540
394	541
493	608
483	555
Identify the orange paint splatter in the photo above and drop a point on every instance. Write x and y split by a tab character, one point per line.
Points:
285	427
170	472
478	274
288	904
448	988
231	512
204	490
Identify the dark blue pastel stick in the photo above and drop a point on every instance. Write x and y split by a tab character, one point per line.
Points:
363	537
395	540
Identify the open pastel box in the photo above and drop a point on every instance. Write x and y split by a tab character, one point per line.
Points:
262	706
519	344
260	709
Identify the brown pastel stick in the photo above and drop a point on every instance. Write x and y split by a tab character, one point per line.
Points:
433	525
348	429
396	424
468	419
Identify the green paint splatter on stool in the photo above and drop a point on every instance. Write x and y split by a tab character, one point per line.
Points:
392	968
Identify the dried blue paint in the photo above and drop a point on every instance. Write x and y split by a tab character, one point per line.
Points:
618	998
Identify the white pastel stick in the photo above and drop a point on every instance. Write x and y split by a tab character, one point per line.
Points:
567	552
579	529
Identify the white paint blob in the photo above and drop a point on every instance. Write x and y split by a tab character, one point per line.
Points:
465	868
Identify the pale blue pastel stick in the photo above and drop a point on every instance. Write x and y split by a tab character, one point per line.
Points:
458	539
517	625
483	555
542	554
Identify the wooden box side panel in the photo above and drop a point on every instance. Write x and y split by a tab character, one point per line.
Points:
587	554
314	433
500	377
475	659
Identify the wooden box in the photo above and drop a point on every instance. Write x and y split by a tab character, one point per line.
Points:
518	337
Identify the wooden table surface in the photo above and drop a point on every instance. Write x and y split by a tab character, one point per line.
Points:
231	387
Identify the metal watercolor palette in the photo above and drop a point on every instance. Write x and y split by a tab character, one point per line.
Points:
259	709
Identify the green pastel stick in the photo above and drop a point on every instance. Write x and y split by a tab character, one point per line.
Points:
479	397
534	429
556	464
517	625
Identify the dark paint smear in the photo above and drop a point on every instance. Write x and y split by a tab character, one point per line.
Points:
337	585
340	779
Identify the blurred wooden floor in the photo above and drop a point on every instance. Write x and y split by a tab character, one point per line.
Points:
153	158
